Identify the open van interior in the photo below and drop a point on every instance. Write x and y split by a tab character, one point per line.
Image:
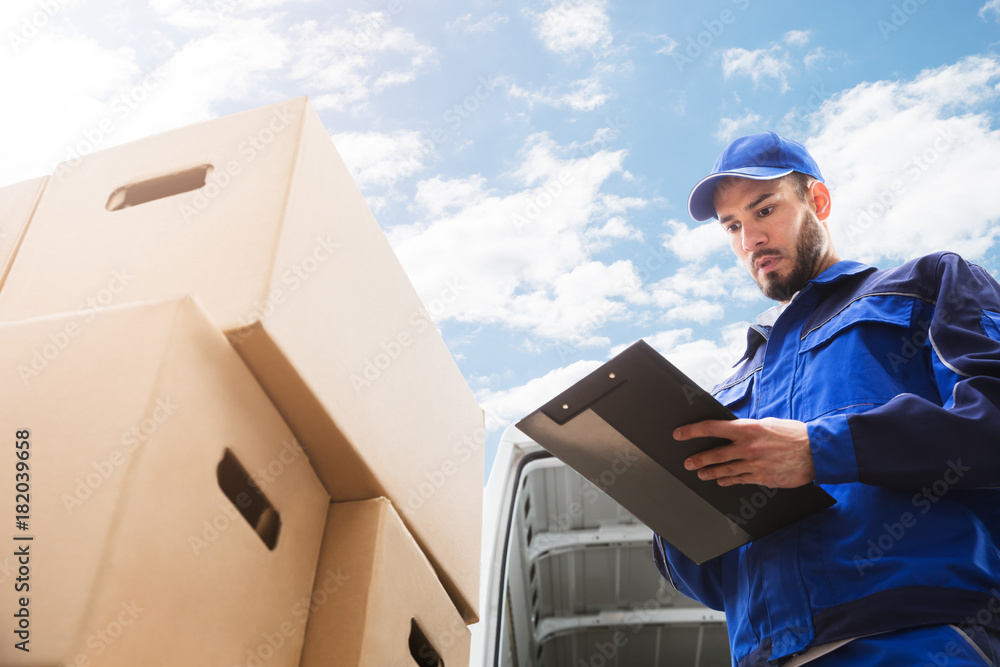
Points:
568	578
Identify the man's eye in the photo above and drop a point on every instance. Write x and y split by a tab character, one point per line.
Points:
766	211
733	228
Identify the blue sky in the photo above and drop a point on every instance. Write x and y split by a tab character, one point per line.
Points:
530	162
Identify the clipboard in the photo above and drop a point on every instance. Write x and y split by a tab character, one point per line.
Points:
614	427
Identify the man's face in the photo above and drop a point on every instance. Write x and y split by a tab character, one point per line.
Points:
775	234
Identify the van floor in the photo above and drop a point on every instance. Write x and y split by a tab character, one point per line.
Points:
582	590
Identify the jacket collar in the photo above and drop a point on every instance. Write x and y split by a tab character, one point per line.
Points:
841	270
757	334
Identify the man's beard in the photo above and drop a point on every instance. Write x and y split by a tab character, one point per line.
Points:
808	251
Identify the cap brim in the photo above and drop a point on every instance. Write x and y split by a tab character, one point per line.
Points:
700	204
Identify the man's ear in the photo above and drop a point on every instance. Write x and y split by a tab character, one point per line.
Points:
819	197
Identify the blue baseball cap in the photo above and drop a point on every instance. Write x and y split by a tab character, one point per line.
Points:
759	156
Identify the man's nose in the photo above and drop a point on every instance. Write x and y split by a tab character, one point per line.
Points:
753	237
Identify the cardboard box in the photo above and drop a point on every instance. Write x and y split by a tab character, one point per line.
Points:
172	518
257	215
384	605
17	204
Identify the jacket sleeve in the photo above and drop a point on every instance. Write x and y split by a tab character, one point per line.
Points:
911	442
699	582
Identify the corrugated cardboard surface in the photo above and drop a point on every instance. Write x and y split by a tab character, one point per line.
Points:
282	250
138	556
17	204
378	585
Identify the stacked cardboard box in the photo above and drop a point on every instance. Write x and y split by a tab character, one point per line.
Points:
256	219
17	205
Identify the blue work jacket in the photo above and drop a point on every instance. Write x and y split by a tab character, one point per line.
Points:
897	375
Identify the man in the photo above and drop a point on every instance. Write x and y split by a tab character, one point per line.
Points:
883	387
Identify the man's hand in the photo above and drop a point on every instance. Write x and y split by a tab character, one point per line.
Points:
771	452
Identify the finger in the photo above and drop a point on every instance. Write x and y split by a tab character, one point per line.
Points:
732	481
716	456
710	428
732	469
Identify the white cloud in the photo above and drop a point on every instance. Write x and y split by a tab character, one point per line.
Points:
510	405
670	44
694	244
706	362
759	64
438	196
709	362
569	26
105	98
696	294
242	54
909	163
815	57
612	203
377	158
58	108
523	258
193	16
25	19
344	63
694	280
991	6
616	228
700	311
583	95
797	37
488	24
661	342
730	127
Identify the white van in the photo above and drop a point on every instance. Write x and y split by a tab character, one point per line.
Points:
568	578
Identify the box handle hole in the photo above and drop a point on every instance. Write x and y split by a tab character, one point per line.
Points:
251	502
420	648
152	189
